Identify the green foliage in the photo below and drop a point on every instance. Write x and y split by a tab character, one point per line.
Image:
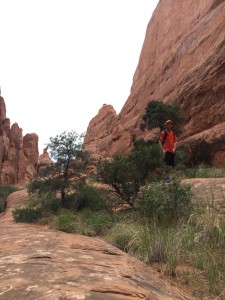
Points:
65	149
26	214
126	174
204	171
2	205
5	191
48	186
86	196
157	112
65	146
122	235
99	222
165	202
86	222
46	171
67	222
49	203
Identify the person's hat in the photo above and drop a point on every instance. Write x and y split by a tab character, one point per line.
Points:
169	122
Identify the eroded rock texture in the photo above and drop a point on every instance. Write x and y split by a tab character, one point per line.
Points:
39	263
182	62
18	154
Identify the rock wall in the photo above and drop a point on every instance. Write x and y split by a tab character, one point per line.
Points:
182	62
18	154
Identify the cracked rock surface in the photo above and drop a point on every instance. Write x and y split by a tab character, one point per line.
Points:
39	263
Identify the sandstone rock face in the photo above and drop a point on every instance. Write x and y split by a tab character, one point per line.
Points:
182	62
18	154
105	135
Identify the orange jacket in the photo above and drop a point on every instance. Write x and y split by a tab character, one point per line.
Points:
169	141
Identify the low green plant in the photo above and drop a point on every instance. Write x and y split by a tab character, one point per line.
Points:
124	236
86	196
50	203
2	205
67	221
85	222
203	171
99	222
5	191
165	202
26	214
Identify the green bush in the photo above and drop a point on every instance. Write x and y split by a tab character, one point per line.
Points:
26	214
86	222
99	222
86	196
49	203
126	174
66	221
2	205
165	202
5	191
125	236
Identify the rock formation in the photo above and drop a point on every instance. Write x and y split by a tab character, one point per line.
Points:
182	62
44	159
18	154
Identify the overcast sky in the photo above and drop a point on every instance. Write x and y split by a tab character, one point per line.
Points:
61	60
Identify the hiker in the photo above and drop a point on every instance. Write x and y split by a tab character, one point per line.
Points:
167	142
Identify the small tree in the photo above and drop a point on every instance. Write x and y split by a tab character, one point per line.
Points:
126	174
64	149
157	112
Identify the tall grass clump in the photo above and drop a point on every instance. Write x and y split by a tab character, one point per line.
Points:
85	222
208	248
204	171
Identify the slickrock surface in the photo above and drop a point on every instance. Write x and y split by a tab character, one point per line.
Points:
210	191
40	263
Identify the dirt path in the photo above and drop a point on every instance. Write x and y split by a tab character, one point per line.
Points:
39	263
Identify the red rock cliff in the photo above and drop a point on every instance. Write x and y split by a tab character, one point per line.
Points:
18	154
182	61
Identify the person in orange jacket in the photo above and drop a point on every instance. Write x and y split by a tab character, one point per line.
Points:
167	142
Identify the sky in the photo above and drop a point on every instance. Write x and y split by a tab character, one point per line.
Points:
61	60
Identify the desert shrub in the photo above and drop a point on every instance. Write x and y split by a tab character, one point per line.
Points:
126	174
26	214
86	196
2	205
165	202
48	186
5	191
85	222
50	203
66	221
123	235
99	222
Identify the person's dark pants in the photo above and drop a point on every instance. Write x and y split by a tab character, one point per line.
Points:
169	158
